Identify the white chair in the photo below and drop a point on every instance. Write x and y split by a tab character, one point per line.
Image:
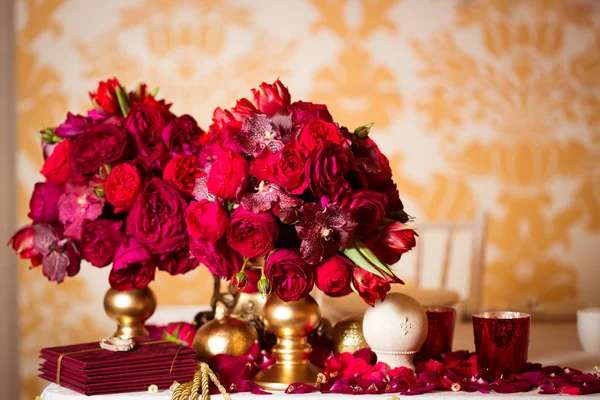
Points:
448	268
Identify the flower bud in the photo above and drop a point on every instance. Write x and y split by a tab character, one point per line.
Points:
362	132
264	286
104	170
240	280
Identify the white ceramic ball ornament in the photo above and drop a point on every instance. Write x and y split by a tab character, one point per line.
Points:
395	329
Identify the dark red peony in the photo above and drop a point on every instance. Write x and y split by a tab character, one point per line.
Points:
175	257
326	173
56	167
181	173
122	187
206	220
43	206
146	124
252	234
227	174
370	287
286	168
133	266
291	277
100	144
157	215
220	259
334	275
183	136
304	112
318	132
367	208
371	161
100	241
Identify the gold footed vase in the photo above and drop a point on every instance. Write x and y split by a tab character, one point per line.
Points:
130	309
291	322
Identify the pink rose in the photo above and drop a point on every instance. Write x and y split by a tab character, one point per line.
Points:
133	266
334	275
157	215
252	235
290	276
270	99
183	136
100	144
319	132
367	208
398	237
43	206
286	168
100	241
329	164
220	259
304	112
146	124
206	220
122	187
227	174
181	173
56	167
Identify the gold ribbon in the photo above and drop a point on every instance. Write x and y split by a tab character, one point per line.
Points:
59	362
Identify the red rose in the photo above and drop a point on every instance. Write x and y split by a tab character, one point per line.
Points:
334	275
181	172
146	124
286	168
290	276
158	215
175	256
56	167
183	136
227	174
370	287
367	208
271	98
43	205
329	164
106	96
371	161
252	235
181	333
133	267
304	112
398	237
318	132
100	241
122	187
220	259
206	220
100	144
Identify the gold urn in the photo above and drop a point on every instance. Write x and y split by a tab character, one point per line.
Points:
130	309
224	335
291	322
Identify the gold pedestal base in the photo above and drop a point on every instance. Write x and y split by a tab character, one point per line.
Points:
130	309
280	376
291	322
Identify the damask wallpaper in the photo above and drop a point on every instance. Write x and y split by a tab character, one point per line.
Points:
487	105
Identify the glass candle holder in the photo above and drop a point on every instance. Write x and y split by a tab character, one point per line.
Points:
440	333
501	343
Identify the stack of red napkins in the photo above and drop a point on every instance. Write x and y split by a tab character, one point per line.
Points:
90	370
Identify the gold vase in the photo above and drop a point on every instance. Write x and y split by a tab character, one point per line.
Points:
291	322
130	309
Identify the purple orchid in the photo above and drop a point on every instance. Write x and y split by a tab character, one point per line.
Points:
323	231
60	257
267	196
257	134
78	204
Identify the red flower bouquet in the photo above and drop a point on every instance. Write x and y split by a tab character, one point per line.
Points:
118	183
282	181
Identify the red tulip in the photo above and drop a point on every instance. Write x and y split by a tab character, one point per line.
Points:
398	237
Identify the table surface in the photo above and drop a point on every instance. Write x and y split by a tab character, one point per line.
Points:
550	344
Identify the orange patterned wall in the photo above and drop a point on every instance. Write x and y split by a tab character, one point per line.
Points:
480	104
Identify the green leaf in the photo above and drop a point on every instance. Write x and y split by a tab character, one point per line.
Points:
123	101
371	257
155	91
352	253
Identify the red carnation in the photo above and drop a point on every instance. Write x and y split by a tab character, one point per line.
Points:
122	187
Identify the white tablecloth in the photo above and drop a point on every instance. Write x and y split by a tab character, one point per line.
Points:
550	344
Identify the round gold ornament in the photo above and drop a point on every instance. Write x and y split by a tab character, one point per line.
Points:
347	336
224	335
130	309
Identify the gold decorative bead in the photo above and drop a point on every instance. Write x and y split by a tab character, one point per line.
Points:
153	389
455	387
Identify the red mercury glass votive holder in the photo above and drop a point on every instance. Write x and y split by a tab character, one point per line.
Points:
501	342
440	333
